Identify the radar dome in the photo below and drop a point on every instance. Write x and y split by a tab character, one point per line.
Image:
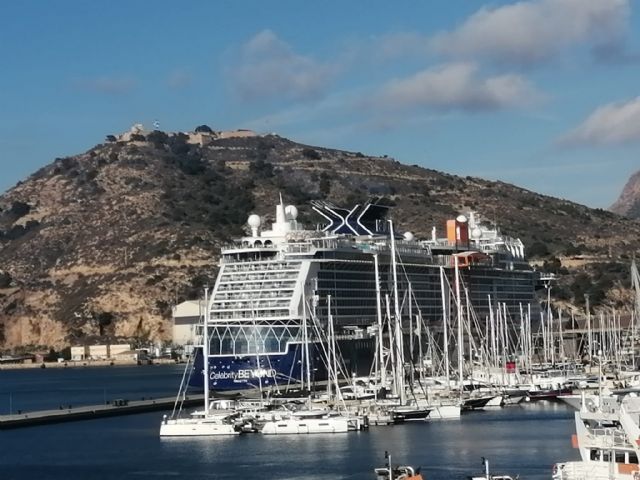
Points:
476	233
254	221
291	211
408	236
461	219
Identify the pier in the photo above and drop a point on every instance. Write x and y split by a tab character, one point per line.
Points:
117	407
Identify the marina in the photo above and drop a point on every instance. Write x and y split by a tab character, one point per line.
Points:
129	448
270	240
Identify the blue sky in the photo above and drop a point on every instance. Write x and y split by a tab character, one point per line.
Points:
540	93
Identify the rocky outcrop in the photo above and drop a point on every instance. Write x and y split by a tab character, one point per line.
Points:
629	202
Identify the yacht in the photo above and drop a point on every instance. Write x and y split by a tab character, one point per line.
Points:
607	438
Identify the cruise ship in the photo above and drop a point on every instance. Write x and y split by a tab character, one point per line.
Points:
277	286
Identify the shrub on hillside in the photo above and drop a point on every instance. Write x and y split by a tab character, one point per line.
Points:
261	168
311	154
538	250
5	280
158	138
19	209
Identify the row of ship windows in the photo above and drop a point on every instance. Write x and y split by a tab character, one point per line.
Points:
254	313
430	275
370	276
229	346
248	286
254	304
269	266
268	294
430	295
243	277
369	279
618	456
370	284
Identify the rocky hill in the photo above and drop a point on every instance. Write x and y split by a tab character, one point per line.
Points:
101	244
629	202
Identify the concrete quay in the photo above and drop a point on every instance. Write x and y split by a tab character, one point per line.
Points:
115	408
85	363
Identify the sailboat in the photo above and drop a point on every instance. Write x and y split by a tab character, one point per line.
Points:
201	423
305	419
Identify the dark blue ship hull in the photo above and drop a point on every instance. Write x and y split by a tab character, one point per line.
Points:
247	372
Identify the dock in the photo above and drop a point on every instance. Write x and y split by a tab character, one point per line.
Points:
86	412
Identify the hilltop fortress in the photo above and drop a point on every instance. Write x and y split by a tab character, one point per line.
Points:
202	135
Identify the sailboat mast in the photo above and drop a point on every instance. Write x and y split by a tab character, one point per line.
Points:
383	370
459	314
205	351
305	336
330	350
398	320
392	355
445	330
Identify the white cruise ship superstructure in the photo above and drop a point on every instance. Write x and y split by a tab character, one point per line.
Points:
275	286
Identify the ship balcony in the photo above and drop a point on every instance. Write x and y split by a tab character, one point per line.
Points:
275	294
257	284
253	305
257	287
250	316
261	266
243	277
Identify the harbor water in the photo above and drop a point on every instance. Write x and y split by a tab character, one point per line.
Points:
524	440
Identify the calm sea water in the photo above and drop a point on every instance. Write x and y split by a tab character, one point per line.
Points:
524	440
39	389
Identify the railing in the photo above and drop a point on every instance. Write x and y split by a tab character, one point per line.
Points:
582	471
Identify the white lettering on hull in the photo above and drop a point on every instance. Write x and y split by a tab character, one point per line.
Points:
244	374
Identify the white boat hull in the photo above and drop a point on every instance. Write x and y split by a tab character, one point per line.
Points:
444	412
195	428
594	470
306	426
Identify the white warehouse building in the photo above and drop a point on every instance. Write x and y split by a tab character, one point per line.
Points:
187	318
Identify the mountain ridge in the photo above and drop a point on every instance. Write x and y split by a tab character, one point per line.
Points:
99	245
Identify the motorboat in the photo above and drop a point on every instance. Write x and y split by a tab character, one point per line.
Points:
487	475
389	472
306	422
607	433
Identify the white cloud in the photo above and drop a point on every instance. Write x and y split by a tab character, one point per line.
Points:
533	31
457	86
268	67
611	124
